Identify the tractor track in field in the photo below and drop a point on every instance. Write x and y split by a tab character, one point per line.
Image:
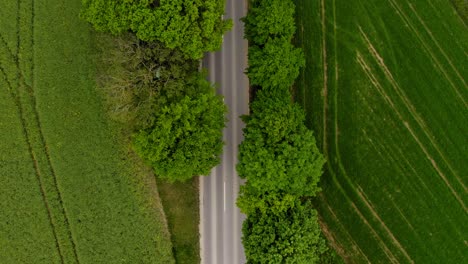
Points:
28	97
367	70
37	172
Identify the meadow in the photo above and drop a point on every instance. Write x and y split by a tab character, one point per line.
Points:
70	190
385	91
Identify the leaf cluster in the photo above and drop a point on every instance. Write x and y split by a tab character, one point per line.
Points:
287	236
194	27
274	62
279	153
186	138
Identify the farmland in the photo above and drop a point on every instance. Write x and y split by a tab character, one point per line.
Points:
385	91
70	191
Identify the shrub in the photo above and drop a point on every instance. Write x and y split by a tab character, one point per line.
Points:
269	19
186	138
134	74
192	26
276	65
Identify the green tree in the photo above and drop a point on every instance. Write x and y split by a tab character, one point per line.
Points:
269	19
186	138
288	236
278	153
275	65
194	27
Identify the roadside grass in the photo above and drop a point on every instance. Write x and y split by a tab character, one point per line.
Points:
384	89
181	204
71	190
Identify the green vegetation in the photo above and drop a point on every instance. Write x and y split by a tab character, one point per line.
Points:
278	157
384	88
186	138
70	192
268	235
130	97
194	27
276	64
462	8
176	117
278	153
181	204
153	87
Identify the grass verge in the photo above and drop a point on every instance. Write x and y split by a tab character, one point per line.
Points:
181	204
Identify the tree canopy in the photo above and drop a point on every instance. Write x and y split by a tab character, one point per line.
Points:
288	236
275	65
269	19
186	138
194	27
279	153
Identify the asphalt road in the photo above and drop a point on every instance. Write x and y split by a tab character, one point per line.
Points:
220	219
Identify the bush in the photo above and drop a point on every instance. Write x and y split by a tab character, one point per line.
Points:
278	153
135	74
268	19
186	138
194	27
276	65
288	236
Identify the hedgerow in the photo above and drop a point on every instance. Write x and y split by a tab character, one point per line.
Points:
279	157
194	27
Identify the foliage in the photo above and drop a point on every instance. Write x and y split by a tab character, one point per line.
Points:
289	236
267	19
186	139
194	27
279	153
134	73
275	65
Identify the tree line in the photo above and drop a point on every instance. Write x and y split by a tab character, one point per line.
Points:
279	157
153	82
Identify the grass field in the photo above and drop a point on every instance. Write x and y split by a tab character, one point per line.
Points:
385	92
69	191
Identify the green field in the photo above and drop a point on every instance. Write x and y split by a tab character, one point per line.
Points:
385	92
70	192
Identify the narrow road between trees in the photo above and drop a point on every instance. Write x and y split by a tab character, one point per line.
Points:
220	219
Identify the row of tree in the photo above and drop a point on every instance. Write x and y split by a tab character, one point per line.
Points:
278	158
194	27
155	84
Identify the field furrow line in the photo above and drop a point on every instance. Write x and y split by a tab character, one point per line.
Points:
8	49
43	141
405	18
395	241
26	104
386	153
387	251
410	106
325	77
380	89
429	32
330	235
32	155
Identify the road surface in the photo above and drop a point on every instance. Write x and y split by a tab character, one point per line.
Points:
220	219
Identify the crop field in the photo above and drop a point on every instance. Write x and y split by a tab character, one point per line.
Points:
69	191
385	92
